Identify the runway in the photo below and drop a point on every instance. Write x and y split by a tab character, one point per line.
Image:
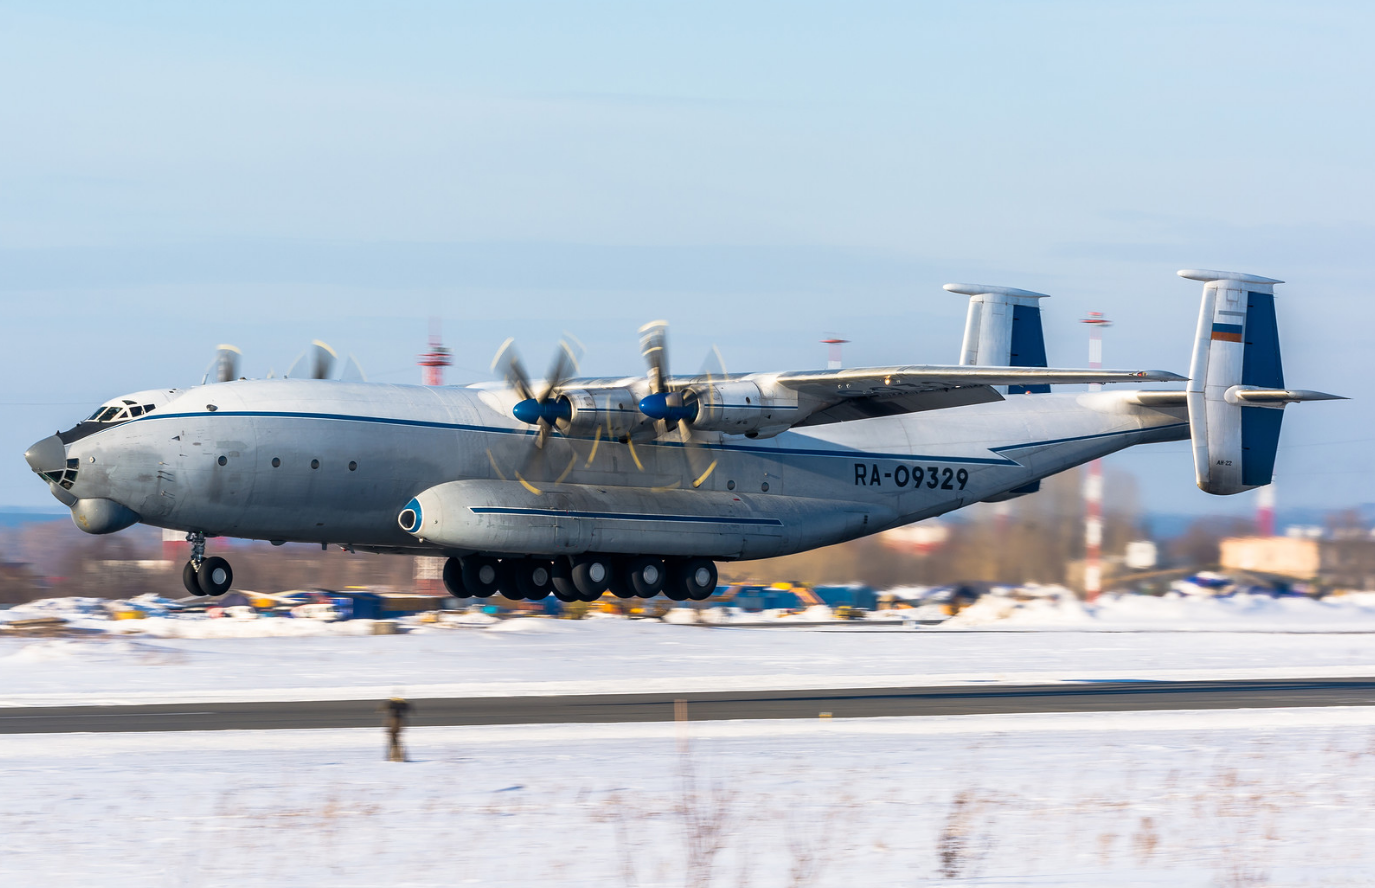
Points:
605	708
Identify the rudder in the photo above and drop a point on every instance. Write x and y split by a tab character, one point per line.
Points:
1003	329
1236	348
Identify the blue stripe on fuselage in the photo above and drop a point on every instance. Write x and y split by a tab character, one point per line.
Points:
621	516
736	448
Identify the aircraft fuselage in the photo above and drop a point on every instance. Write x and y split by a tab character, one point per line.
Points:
337	462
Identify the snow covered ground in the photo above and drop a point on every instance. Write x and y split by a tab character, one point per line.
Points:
1266	797
539	656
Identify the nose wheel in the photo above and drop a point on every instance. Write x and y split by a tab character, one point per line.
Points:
205	576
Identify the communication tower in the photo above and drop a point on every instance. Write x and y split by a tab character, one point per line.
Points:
429	572
437	358
1093	485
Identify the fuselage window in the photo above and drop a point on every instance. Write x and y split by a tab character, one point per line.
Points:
315	464
353	466
276	463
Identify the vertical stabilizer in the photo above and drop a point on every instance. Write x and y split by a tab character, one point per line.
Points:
1003	329
1236	349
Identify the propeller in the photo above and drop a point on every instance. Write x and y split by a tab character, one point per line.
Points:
319	362
316	361
543	407
672	407
322	359
225	366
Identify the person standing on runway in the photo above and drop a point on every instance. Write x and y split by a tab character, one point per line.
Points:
394	712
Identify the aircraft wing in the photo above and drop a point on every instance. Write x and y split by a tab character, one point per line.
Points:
864	392
872	381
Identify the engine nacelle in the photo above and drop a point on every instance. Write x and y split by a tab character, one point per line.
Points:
615	411
739	408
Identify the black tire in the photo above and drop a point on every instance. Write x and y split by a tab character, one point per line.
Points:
620	586
701	578
215	576
646	575
188	579
506	581
592	575
563	581
453	578
481	575
534	578
692	579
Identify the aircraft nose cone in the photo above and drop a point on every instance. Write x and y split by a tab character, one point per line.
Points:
48	455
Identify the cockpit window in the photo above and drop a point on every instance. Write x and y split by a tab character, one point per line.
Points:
106	415
136	410
148	408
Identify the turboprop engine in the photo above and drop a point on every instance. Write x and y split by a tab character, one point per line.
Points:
612	412
733	408
1236	392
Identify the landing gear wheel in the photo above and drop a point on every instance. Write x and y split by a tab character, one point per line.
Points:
481	575
591	576
188	579
532	578
646	575
453	578
693	578
506	580
215	576
620	585
563	581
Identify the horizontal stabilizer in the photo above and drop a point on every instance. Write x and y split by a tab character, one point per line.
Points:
1255	396
1282	396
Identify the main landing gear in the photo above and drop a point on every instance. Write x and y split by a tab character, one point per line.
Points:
580	577
205	576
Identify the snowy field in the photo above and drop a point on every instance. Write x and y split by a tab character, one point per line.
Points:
1132	639
1228	798
1242	798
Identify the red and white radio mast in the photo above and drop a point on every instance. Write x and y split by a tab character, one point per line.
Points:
437	358
1093	485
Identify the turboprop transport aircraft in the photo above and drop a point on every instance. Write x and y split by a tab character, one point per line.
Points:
638	485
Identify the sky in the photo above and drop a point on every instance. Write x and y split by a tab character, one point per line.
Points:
175	176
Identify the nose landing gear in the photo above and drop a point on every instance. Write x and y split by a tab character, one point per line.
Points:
205	576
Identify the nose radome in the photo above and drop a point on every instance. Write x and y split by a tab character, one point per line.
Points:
48	455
